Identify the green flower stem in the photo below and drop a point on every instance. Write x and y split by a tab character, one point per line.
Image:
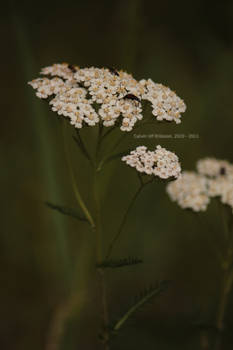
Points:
211	245
133	200
226	288
108	132
75	188
118	141
223	217
227	284
136	307
125	134
105	336
105	332
98	227
82	147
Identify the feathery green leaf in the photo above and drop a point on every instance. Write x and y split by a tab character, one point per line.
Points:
119	263
66	211
140	301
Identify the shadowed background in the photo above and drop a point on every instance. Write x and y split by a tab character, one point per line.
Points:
44	256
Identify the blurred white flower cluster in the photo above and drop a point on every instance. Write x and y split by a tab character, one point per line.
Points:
90	95
161	163
194	190
189	191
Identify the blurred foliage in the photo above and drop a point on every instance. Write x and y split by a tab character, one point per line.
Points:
186	45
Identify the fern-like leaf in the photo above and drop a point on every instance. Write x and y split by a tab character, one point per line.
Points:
119	263
145	297
66	211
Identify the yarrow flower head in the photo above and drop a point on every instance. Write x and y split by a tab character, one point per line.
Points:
219	174
194	190
160	162
214	167
189	191
88	96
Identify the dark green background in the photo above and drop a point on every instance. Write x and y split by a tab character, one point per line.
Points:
186	45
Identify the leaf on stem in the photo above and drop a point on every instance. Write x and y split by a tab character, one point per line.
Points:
119	263
66	211
141	300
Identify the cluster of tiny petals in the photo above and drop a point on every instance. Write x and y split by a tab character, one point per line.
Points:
214	179
213	167
189	191
47	87
161	163
220	179
61	70
165	103
91	95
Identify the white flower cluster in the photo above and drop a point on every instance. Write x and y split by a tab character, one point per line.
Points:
165	103
219	175
194	190
161	163
90	95
189	191
213	167
46	87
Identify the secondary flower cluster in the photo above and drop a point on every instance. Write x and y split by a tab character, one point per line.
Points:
194	190
90	95
161	163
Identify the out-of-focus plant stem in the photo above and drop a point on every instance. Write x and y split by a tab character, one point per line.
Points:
99	247
121	139
224	296
226	286
62	313
43	136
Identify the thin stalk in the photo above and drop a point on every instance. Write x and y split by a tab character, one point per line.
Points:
98	229
222	213
117	143
210	242
74	184
227	283
99	242
108	132
133	200
125	134
226	288
136	307
105	333
82	147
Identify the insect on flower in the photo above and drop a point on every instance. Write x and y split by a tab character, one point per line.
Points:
73	86
131	97
222	171
72	68
113	71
